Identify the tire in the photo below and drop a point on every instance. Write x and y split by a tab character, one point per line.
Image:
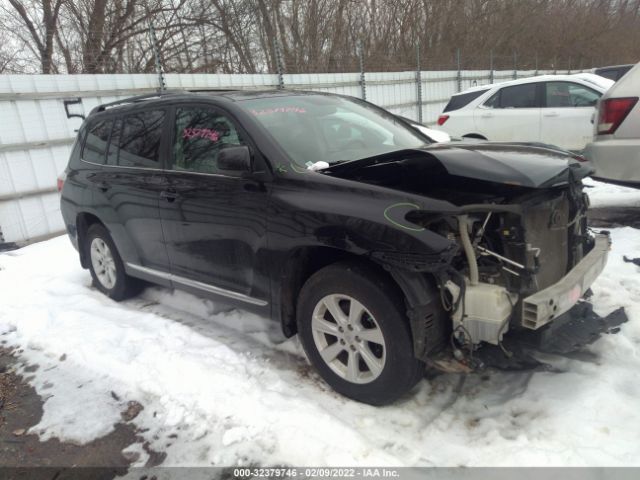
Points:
106	267
383	368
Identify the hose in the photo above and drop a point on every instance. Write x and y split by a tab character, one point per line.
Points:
468	249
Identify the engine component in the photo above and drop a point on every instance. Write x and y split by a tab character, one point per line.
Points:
463	222
483	312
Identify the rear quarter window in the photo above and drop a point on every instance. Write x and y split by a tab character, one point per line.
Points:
458	101
95	144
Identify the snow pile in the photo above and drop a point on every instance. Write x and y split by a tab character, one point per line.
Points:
223	387
604	195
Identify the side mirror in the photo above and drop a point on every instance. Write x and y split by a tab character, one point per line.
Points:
235	159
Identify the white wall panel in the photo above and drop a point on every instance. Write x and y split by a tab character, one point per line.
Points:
32	110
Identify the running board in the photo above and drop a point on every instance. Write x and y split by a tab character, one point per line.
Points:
205	287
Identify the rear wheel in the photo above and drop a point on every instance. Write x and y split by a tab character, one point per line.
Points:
106	267
354	331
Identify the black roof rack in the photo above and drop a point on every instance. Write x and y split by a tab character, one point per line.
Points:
137	98
160	94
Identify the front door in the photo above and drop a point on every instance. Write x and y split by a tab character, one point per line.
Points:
214	222
566	115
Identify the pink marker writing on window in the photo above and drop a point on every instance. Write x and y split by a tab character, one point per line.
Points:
208	133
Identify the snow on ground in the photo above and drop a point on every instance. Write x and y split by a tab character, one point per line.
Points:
234	391
603	194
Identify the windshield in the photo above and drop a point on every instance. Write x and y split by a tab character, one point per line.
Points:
313	128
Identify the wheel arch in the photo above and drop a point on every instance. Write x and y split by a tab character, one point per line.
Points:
474	135
427	319
84	220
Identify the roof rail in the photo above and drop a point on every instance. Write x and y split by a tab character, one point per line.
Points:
213	90
137	98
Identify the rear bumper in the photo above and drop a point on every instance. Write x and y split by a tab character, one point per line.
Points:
544	306
615	159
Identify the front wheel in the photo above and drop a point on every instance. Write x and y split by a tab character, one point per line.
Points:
353	328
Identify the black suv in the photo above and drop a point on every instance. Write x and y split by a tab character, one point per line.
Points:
336	219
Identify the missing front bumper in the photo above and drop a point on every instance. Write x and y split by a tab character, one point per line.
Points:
546	305
570	332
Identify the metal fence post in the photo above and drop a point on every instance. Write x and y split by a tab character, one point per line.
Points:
363	85
459	76
156	54
278	59
491	66
515	66
419	83
569	71
536	72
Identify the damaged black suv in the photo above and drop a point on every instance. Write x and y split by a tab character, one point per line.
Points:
383	251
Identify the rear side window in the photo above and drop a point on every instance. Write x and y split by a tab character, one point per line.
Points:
517	96
459	101
95	144
139	142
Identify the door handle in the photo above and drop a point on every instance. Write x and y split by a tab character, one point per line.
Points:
550	114
170	195
104	186
487	115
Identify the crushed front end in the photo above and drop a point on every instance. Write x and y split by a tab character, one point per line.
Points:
525	269
520	259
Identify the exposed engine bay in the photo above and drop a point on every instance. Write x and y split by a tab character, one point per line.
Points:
506	257
523	256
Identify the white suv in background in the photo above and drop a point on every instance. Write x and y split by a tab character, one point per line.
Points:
552	109
615	151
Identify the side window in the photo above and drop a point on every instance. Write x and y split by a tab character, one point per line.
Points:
139	142
463	99
200	134
95	145
569	94
78	145
494	101
519	96
112	152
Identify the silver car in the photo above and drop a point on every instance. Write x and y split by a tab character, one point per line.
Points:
615	151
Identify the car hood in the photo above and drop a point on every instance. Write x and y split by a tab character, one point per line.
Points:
534	166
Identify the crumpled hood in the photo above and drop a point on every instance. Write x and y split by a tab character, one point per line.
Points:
527	165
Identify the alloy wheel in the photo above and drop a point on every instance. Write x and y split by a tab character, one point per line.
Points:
348	338
103	264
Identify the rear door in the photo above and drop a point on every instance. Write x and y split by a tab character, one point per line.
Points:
214	221
566	114
128	190
512	114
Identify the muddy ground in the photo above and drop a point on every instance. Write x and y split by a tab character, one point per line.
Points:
21	409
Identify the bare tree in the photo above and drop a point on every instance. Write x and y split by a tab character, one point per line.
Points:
240	36
40	18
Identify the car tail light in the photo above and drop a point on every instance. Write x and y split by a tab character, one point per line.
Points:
61	178
612	112
442	119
